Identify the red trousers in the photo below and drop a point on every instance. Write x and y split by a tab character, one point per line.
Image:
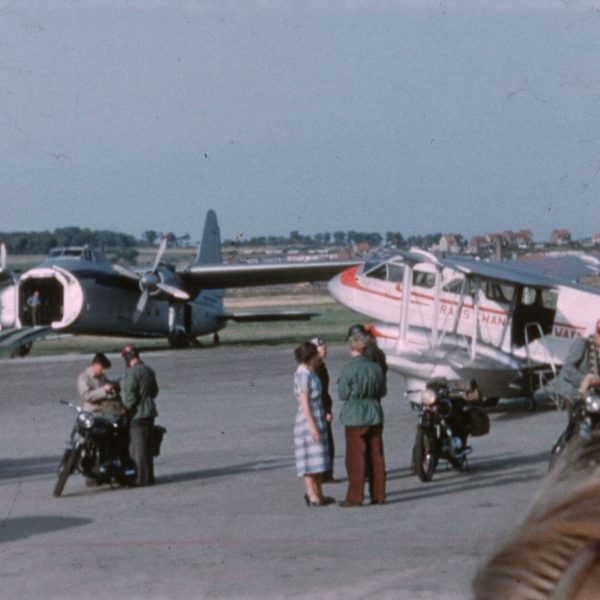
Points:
364	460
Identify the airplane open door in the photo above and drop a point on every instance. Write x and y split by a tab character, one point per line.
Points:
534	311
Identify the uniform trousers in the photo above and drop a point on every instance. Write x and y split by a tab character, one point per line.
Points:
141	451
365	460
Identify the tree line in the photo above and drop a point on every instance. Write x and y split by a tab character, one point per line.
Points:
39	242
343	238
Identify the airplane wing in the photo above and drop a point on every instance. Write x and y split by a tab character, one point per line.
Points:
283	315
217	276
11	339
508	272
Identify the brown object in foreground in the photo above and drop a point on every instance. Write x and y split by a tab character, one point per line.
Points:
555	554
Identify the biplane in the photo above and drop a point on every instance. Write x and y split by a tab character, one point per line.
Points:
505	325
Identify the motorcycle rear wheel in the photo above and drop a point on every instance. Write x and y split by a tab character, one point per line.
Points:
67	465
424	456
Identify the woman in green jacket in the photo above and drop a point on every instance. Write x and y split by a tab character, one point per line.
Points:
361	387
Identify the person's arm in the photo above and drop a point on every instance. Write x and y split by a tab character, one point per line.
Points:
130	391
344	386
89	394
570	371
312	426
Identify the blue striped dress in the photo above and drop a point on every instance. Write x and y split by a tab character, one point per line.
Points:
311	457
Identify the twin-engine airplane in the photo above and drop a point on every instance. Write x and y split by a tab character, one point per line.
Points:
81	292
506	325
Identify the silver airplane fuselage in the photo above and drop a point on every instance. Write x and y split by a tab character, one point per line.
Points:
81	293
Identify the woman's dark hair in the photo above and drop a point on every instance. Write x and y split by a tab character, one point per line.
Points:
305	351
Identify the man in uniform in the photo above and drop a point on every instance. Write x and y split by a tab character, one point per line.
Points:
140	389
580	369
100	395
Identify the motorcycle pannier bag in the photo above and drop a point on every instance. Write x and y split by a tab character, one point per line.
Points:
479	422
158	433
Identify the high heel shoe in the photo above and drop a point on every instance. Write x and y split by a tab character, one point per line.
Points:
310	502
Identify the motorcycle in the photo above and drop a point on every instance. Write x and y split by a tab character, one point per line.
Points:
446	419
97	448
584	417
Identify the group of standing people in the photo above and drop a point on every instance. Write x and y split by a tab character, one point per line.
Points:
103	397
361	386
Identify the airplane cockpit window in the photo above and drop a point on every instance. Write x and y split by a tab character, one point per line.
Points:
423	279
371	264
379	272
55	252
72	253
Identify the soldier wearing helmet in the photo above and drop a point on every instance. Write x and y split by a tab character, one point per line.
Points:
139	390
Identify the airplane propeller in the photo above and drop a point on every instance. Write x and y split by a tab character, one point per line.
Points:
152	282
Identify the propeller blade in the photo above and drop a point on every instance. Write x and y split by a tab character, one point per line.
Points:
161	251
2	257
126	272
141	305
173	291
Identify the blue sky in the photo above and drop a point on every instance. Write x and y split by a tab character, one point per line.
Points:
423	116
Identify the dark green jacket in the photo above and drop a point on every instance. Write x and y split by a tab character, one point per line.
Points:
140	389
361	387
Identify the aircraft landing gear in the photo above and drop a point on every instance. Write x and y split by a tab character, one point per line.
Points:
22	351
216	338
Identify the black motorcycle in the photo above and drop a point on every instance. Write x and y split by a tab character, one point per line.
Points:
584	417
446	419
97	449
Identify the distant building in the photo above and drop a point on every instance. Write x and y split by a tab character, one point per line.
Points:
448	243
560	237
596	239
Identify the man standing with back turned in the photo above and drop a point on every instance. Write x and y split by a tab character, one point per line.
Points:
140	389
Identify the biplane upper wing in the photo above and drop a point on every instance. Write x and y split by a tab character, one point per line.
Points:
222	276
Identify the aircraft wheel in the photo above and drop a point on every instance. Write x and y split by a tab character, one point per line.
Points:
216	339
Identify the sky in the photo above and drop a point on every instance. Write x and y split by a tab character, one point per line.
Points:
411	116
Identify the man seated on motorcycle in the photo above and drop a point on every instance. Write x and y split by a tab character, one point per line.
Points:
100	395
580	370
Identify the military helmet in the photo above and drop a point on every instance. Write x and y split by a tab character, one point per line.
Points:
130	351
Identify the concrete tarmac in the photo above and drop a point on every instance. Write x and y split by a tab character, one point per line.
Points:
227	517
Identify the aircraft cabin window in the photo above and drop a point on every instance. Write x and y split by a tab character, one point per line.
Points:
528	296
395	272
499	293
549	299
454	286
423	279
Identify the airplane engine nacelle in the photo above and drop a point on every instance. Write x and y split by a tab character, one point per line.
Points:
161	283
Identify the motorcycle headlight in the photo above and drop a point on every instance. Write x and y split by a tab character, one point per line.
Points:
592	403
86	420
428	397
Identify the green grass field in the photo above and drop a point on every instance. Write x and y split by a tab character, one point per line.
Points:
332	324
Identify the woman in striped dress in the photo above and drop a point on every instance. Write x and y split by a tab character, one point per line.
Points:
310	431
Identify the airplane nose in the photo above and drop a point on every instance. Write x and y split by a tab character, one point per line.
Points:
341	292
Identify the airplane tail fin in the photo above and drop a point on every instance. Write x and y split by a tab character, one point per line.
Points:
209	251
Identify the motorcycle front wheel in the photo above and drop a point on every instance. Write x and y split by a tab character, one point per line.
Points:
66	467
424	455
